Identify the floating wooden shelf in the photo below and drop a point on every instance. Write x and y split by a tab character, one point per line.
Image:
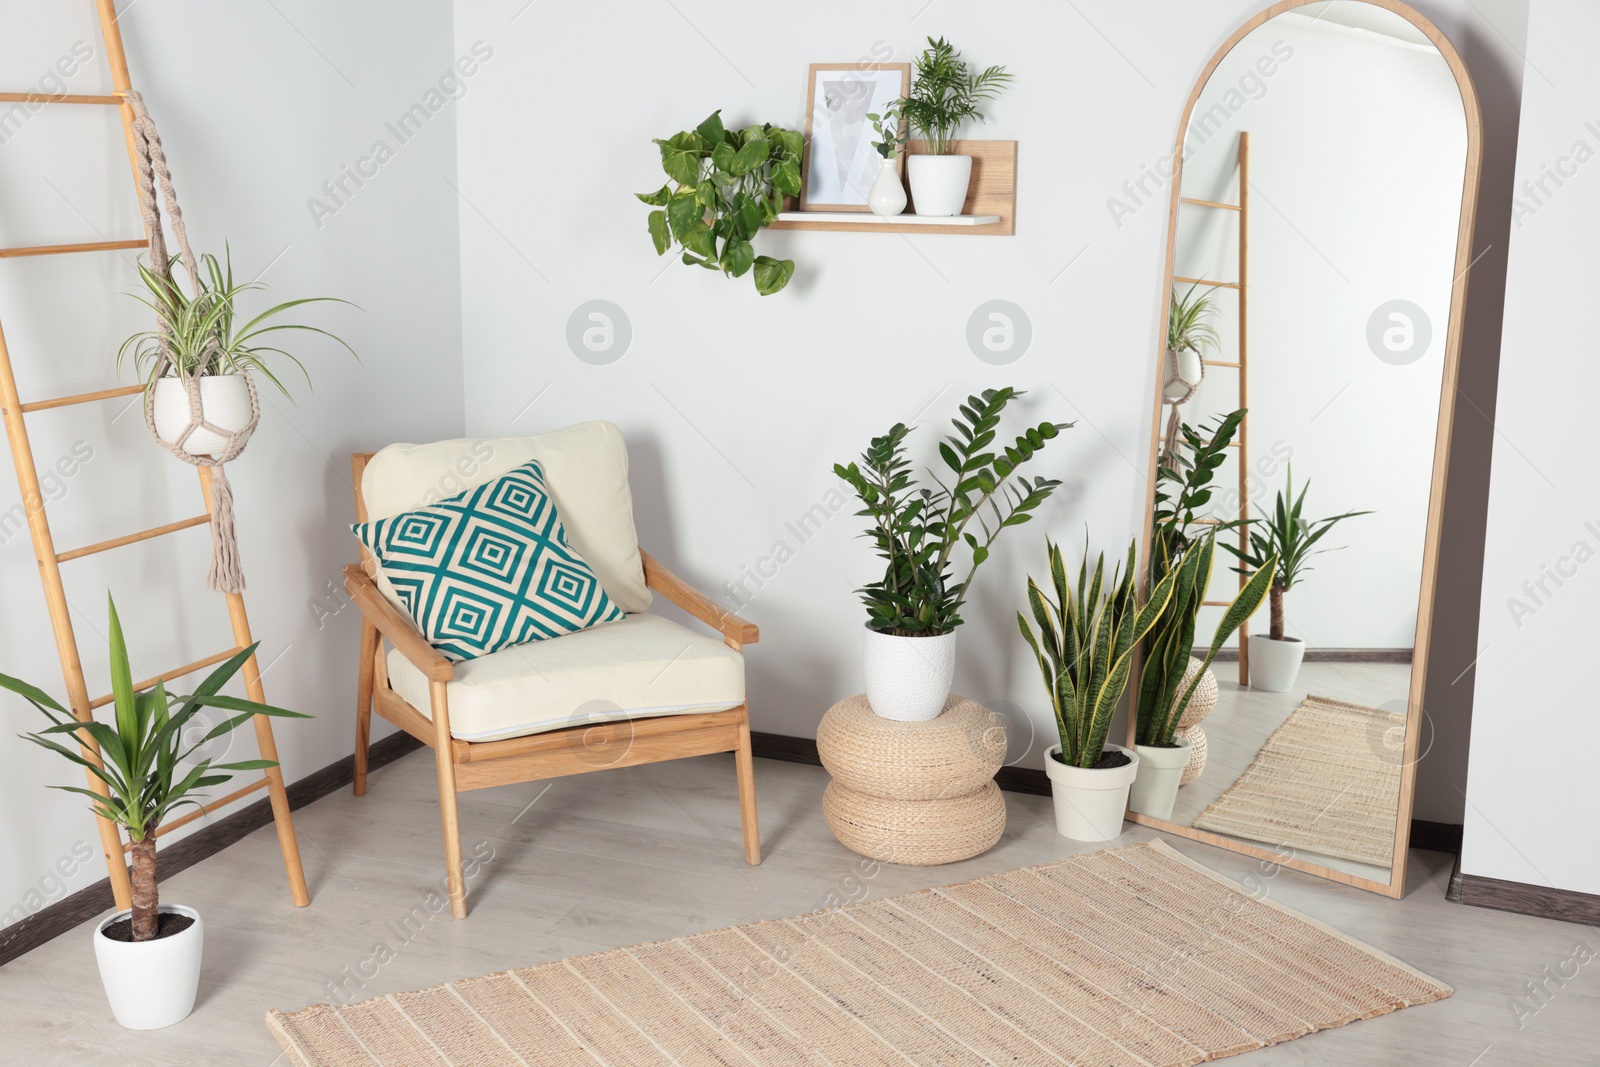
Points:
990	207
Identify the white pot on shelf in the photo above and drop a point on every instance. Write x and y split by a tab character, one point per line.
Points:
224	399
1274	665
908	678
1090	803
151	984
888	194
939	183
1155	787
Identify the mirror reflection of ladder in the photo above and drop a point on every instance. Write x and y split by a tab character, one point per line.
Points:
13	411
1241	441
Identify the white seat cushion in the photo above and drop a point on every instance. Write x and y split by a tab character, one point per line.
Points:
585	469
638	667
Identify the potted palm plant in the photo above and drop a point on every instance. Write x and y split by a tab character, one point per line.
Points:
149	956
1085	648
945	95
1281	545
914	609
1189	334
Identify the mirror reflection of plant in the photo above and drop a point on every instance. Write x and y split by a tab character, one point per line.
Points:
202	333
1189	321
1283	543
727	186
889	127
1085	646
916	530
1183	487
946	94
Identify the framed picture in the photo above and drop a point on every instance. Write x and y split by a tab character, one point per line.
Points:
839	164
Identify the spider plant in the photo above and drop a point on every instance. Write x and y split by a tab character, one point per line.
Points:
141	751
1283	544
202	333
1189	321
946	94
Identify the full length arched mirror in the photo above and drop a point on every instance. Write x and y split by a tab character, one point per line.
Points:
1317	261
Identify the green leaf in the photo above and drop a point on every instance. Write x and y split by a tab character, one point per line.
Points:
723	157
658	232
710	130
791	145
658	198
752	155
772	274
697	238
746	216
737	256
680	157
683	210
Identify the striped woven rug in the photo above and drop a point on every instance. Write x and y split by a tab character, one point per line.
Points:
1135	956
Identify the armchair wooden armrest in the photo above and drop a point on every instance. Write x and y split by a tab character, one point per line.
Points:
401	631
735	631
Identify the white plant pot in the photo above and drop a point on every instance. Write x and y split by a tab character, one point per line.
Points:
1274	665
1183	373
1090	804
1155	788
908	678
151	984
939	183
888	194
225	400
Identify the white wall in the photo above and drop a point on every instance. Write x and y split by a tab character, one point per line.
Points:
1532	810
736	406
259	104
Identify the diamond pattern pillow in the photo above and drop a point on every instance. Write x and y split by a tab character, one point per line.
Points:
489	568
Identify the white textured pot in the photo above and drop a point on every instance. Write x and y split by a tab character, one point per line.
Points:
908	678
1274	665
1155	788
888	194
225	399
939	183
1183	372
151	984
1090	804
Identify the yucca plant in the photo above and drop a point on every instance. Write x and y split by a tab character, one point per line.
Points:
946	94
1283	544
144	760
1085	646
202	333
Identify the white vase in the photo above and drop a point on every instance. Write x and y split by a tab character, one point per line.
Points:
225	400
1155	787
1274	665
151	984
908	678
1090	804
888	194
939	183
1183	372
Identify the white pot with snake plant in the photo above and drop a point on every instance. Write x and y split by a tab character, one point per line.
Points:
944	95
913	611
1282	543
1085	653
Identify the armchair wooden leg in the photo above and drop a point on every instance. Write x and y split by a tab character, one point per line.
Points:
744	762
364	675
444	758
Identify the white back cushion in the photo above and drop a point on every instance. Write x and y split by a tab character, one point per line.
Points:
585	467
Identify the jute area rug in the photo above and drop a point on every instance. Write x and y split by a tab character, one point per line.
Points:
1326	781
1135	956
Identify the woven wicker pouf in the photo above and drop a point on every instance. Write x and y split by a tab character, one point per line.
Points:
1204	700
918	793
1197	754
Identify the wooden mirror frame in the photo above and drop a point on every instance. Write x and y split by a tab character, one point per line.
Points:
1472	114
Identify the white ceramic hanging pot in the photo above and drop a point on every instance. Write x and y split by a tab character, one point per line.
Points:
1184	371
225	400
1274	665
908	678
1155	787
1090	803
939	183
151	984
888	194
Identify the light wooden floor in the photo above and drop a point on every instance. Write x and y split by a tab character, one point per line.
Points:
610	859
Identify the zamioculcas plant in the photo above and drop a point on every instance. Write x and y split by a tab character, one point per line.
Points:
144	759
727	186
1085	646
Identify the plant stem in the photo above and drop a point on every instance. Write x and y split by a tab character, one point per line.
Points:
1275	598
145	898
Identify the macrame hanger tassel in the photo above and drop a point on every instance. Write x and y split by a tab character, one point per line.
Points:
227	570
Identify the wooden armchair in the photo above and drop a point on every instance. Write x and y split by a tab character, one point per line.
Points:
525	742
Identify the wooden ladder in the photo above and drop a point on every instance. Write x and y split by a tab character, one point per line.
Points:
1242	441
13	411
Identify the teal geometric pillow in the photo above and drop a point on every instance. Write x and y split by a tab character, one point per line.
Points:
489	568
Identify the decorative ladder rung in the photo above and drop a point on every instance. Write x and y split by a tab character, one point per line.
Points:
134	538
1202	281
61	250
1215	603
1207	362
205	809
70	98
1210	203
179	672
82	398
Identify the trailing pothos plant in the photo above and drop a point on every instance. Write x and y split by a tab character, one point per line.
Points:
726	186
1085	646
917	530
